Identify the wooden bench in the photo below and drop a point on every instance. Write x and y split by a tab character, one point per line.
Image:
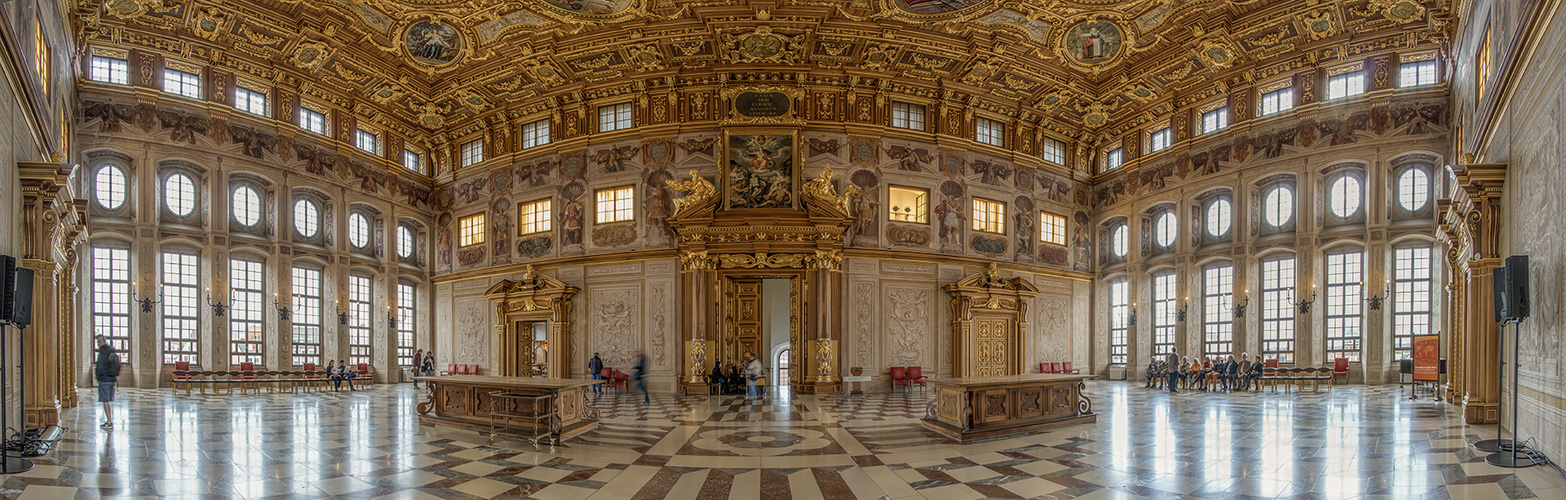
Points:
275	381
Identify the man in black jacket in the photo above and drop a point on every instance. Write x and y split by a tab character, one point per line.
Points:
107	370
595	368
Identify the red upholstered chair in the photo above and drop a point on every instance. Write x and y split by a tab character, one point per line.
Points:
1066	368
1339	369
1269	374
1054	367
310	374
1043	367
451	369
362	372
899	377
916	376
247	372
181	375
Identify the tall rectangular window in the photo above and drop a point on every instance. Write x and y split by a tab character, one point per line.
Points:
367	141
1410	298
312	120
307	316
1052	228
908	204
181	83
180	280
909	116
1345	271
470	230
1119	311
250	101
614	117
110	70
614	204
410	160
1215	120
1277	101
989	216
111	301
405	304
1164	314
990	132
1277	313
245	282
358	320
535	133
1416	73
1054	151
535	217
1160	139
1217	302
472	152
1345	85
1114	158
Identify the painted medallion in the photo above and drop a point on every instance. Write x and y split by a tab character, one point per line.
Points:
1093	42
433	43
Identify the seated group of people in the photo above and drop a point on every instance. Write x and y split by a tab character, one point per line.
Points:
730	379
1211	373
340	372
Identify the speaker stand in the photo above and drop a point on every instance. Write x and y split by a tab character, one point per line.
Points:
1498	444
1513	459
8	463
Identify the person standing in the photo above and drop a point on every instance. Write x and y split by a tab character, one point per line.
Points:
641	376
1173	368
595	368
107	370
425	367
752	372
417	366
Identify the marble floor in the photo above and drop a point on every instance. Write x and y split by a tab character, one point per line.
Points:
1349	442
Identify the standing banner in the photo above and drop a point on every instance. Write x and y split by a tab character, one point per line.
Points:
1427	357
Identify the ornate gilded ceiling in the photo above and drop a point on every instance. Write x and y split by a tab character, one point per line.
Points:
1078	67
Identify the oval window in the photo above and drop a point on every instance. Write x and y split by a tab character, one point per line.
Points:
247	206
1165	229
1117	241
1345	194
307	218
1413	189
1220	216
1279	206
179	194
110	187
358	230
404	242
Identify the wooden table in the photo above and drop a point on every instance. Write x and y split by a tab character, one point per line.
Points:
972	408
464	401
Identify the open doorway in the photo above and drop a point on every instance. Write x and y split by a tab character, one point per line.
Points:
782	363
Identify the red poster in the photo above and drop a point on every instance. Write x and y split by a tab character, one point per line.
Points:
1427	357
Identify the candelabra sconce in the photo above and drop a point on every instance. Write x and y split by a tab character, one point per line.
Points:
1131	319
146	303
1303	305
1239	307
391	320
1180	313
282	312
1375	301
342	318
218	308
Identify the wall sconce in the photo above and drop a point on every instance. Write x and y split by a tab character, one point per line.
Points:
1239	307
342	316
1303	305
146	303
282	312
1131	319
218	308
1184	306
1375	301
391	318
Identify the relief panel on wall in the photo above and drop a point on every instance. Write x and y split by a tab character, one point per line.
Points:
862	316
613	320
473	333
909	324
1052	327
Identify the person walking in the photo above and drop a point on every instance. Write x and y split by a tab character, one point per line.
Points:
752	372
595	368
107	370
417	366
641	376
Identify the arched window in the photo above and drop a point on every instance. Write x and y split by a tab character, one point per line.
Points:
307	218
247	206
1345	196
358	230
782	368
1413	189
179	194
109	185
1164	229
1117	241
1220	218
404	241
1278	206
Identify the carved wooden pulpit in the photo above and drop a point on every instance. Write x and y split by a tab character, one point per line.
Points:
989	321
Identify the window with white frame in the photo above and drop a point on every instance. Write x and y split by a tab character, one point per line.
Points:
181	83
990	132
306	316
1220	218
406	241
312	120
472	152
1119	241
1160	139
110	70
906	115
1417	73
1114	158
358	230
1164	315
1345	85
906	204
1165	229
1277	101
614	204
411	160
1413	189
405	323
1277	313
358	320
989	216
1345	196
1215	120
1278	206
1217	302
250	101
1410	298
181	277
535	217
111	299
1345	271
535	133
109	187
614	117
470	230
1054	151
247	206
245	320
1119	321
307	218
367	141
179	194
1052	229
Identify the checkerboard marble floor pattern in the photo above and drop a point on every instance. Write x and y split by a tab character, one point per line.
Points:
1350	442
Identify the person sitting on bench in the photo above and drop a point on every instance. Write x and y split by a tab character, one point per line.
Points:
1254	376
332	374
1152	373
347	374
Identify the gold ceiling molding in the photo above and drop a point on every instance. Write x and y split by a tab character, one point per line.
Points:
831	260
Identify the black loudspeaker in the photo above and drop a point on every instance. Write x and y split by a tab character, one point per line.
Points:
1498	289
22	311
7	287
1517	287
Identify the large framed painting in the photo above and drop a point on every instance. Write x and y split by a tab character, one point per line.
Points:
761	169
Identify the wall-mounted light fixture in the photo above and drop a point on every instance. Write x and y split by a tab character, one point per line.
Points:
218	308
282	311
146	303
1375	300
1131	319
1303	305
1185	305
1239	306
